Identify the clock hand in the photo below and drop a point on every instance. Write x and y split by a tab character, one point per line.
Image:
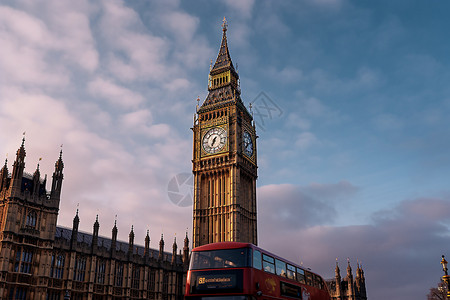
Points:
214	141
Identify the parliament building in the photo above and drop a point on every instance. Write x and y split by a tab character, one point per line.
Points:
40	260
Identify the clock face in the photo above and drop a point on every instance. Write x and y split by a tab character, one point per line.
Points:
214	140
248	144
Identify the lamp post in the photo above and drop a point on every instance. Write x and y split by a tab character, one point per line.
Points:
445	278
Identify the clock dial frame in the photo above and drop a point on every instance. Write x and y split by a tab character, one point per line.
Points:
214	140
247	144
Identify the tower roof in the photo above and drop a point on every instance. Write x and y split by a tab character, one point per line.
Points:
223	60
223	83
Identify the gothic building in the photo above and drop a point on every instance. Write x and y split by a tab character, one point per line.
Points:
348	288
224	160
40	260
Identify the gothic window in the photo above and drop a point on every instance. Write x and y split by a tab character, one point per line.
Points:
18	293
165	286
57	268
79	270
100	272
24	258
135	277
118	275
151	280
53	295
31	219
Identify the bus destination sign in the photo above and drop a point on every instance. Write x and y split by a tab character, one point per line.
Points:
224	280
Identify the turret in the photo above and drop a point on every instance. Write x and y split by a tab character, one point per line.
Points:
147	245
131	241
57	178
161	248
95	234
76	223
174	251
18	167
360	283
36	181
4	176
337	277
114	238
350	289
186	250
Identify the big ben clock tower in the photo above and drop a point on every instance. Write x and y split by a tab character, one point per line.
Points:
224	160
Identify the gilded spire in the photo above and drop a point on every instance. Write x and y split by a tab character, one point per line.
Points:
223	60
224	24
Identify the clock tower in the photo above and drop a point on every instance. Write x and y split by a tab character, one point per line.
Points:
224	160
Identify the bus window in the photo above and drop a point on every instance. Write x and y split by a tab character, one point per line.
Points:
281	267
217	259
257	263
309	280
290	272
319	282
301	275
268	264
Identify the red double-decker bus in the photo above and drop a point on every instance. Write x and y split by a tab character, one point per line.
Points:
242	271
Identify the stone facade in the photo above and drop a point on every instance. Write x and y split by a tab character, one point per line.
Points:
40	260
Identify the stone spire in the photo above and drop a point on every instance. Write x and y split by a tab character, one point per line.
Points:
147	244
57	178
186	250
36	182
95	234
131	241
4	175
161	248
337	279
18	167
174	251
350	286
114	237
349	269
76	223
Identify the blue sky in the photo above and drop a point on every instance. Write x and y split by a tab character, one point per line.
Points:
354	164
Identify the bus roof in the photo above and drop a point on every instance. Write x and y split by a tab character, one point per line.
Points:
236	245
222	245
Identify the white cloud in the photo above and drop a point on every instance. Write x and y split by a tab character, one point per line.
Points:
114	93
305	140
241	7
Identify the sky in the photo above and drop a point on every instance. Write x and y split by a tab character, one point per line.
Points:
350	99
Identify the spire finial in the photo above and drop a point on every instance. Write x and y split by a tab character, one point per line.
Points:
224	25
23	139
